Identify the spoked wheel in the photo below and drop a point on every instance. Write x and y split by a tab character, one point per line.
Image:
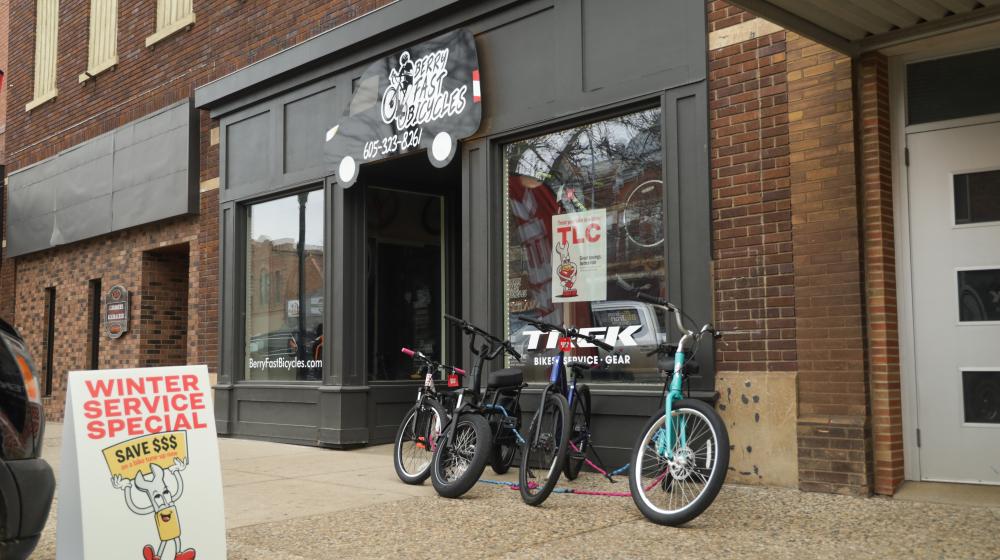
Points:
415	441
459	460
544	454
506	442
674	488
579	435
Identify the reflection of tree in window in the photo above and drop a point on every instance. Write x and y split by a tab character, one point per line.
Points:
598	165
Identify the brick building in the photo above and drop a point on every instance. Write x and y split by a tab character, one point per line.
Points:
770	146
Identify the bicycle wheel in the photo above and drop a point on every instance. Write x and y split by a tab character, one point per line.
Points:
459	460
506	443
675	491
544	454
415	441
579	434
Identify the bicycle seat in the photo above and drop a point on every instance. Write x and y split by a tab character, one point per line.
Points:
510	377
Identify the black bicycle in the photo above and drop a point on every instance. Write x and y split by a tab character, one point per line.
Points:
418	432
558	437
483	427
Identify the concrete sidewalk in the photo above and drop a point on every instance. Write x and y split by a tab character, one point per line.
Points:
294	502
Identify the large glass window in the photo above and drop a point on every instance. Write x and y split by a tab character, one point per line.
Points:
584	208
284	289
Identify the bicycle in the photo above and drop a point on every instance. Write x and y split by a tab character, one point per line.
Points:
418	432
561	423
682	452
483	428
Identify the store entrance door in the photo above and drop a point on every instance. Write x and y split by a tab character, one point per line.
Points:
405	277
412	231
954	216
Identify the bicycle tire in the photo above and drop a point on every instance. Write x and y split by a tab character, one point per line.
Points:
418	428
459	460
552	425
579	433
506	445
717	465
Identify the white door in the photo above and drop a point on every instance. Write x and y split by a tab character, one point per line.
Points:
954	203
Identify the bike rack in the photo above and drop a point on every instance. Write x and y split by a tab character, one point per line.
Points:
619	470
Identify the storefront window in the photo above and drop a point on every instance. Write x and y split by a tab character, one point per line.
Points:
284	322
583	209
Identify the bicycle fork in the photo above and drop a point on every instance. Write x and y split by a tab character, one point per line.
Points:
665	443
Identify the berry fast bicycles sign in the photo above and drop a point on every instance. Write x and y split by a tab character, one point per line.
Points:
427	96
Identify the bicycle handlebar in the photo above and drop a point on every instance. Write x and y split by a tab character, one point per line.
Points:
641	295
500	344
416	355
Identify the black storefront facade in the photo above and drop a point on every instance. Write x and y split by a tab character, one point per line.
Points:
591	110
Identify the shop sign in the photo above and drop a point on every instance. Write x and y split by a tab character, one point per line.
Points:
116	312
581	271
140	474
426	97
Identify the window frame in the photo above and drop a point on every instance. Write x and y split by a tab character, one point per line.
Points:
95	67
41	97
166	29
239	373
659	101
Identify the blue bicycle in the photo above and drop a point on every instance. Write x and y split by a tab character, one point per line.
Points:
681	456
558	436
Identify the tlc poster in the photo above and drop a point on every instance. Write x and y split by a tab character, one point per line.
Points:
140	475
580	256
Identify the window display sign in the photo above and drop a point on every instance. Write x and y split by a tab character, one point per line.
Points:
581	271
425	97
140	474
116	312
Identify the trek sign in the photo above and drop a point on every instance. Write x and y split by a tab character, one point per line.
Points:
427	96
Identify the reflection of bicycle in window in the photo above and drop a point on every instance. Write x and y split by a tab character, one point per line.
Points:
400	80
643	214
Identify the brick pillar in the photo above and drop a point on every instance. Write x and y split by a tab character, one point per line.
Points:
834	448
752	243
880	271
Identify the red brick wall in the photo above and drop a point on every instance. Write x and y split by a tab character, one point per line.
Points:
227	35
751	211
115	259
880	272
163	314
833	426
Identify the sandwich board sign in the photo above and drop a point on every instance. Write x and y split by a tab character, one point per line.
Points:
140	475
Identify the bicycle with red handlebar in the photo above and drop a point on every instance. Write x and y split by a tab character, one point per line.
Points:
483	427
418	432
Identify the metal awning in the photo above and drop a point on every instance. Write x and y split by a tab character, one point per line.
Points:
857	26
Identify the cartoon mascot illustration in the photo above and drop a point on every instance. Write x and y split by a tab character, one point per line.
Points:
162	504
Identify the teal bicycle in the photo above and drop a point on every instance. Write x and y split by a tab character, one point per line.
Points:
681	457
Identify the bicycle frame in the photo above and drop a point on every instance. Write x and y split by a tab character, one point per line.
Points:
665	445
